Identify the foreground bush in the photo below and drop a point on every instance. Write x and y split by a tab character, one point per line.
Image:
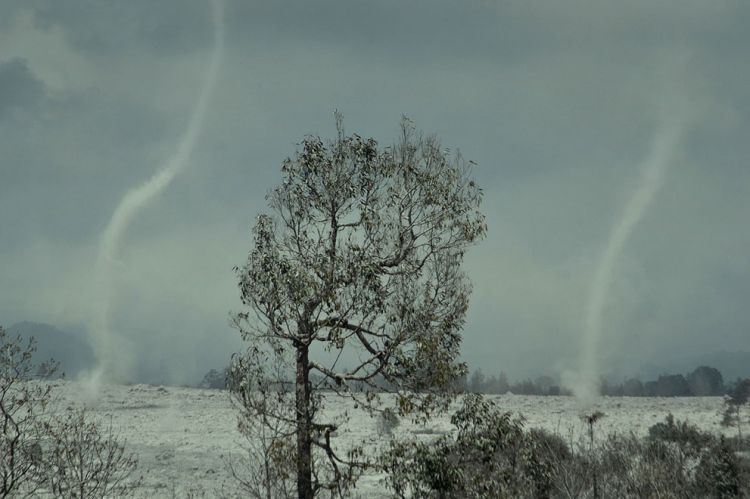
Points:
43	454
23	402
83	460
491	455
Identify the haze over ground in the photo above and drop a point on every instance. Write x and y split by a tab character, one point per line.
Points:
557	103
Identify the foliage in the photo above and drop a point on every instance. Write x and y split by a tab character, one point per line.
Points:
680	462
740	392
706	381
737	397
663	465
719	473
477	382
498	384
362	259
633	388
687	437
668	385
491	455
632	467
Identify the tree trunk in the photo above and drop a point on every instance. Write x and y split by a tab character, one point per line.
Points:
304	425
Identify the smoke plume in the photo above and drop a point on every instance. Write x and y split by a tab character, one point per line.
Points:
653	170
111	351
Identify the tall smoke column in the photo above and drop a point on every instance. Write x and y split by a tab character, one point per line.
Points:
109	365
653	171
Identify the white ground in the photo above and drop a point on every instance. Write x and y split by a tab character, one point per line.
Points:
184	437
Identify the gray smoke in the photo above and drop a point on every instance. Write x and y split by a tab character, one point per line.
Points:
675	114
653	171
111	351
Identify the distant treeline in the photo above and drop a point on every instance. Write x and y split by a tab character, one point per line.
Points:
478	382
704	381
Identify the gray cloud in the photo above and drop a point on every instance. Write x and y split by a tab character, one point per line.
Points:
102	30
19	88
557	102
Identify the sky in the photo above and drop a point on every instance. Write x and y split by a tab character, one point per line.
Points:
558	103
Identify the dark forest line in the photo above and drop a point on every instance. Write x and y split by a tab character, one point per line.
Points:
704	381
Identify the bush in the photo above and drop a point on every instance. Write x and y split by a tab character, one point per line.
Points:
631	467
85	461
718	474
687	437
216	380
23	402
387	421
43	455
490	456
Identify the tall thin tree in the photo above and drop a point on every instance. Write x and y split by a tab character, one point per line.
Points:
358	264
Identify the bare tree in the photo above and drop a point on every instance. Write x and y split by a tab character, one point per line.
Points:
361	261
265	472
84	460
42	454
23	401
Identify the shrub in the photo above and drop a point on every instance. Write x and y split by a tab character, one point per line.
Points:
23	402
718	474
387	421
42	454
688	438
490	456
216	380
84	460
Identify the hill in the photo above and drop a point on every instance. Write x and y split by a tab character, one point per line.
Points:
73	354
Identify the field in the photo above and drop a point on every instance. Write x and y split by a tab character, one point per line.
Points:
184	437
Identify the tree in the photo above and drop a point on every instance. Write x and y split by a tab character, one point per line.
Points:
477	381
83	460
544	384
633	388
668	385
502	383
266	472
706	381
23	402
738	395
215	380
361	261
44	454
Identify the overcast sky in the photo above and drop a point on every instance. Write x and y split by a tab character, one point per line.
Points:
557	101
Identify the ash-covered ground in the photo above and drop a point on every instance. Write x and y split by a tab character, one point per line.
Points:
185	438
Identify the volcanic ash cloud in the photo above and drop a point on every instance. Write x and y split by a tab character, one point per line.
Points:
112	353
